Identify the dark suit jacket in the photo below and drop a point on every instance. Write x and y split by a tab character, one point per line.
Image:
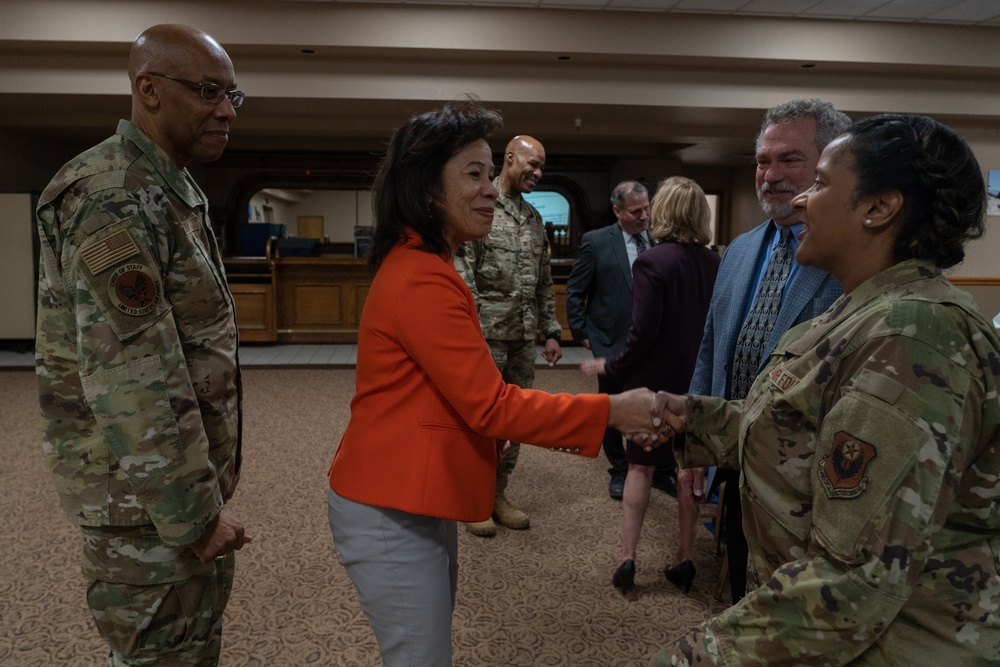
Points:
808	295
671	291
599	291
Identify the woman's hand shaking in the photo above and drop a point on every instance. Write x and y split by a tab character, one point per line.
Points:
647	419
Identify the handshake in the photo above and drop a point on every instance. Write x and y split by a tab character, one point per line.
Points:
646	418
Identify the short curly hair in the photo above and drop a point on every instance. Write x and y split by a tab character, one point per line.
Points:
829	121
944	194
407	188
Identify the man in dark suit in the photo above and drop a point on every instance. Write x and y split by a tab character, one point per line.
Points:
791	138
599	298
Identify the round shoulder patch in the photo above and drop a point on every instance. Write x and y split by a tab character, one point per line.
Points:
133	289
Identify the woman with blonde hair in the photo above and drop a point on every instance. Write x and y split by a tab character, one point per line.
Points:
671	289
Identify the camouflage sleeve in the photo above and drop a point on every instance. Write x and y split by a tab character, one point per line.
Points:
712	433
895	434
133	370
545	296
466	258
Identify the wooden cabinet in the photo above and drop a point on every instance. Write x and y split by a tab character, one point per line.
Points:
298	299
560	273
560	289
319	299
251	282
254	312
315	299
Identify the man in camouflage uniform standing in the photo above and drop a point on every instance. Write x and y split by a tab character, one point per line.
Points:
136	352
510	277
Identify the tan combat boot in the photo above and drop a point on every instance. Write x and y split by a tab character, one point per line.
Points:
508	515
482	528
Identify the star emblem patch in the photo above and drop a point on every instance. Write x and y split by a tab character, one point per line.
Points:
842	471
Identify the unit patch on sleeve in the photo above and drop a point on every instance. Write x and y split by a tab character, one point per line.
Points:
842	471
134	290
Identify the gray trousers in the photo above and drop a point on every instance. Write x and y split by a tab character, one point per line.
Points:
405	570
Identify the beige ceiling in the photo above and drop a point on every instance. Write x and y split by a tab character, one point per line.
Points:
641	78
964	12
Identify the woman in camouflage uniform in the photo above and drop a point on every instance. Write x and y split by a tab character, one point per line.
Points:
869	444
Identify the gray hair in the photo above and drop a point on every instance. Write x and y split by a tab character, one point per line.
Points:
627	190
830	123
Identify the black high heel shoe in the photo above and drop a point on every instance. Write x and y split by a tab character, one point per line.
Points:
680	575
624	576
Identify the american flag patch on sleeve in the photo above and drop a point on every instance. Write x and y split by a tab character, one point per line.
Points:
108	252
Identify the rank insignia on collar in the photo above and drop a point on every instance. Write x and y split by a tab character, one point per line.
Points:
842	471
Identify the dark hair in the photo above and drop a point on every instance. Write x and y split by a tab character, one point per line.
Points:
944	196
830	123
407	187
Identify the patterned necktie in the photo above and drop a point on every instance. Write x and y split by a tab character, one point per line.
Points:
640	243
759	324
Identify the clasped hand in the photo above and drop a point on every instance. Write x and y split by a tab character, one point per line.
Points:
648	419
223	535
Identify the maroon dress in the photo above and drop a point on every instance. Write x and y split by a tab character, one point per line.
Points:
671	291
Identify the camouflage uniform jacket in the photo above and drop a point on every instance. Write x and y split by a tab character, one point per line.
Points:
869	452
509	274
136	344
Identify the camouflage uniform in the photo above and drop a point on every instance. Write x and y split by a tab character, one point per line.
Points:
869	451
136	354
510	277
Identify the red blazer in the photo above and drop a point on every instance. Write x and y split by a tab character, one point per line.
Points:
430	402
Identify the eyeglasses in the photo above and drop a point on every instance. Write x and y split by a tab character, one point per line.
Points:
211	92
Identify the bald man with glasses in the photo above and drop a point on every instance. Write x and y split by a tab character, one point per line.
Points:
136	349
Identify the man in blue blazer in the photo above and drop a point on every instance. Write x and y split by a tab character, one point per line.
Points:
599	298
791	138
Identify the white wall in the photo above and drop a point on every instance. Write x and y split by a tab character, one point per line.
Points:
341	211
17	268
982	257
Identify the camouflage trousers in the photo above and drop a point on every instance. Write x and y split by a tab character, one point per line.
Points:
516	361
174	620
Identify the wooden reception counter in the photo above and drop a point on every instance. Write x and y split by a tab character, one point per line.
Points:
316	299
299	299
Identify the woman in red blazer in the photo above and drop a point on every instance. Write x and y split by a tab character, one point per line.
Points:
420	450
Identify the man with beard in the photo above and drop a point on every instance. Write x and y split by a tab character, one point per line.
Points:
761	292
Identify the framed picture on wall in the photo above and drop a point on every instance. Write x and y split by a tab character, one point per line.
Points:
993	193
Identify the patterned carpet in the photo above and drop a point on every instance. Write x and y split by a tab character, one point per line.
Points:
540	597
